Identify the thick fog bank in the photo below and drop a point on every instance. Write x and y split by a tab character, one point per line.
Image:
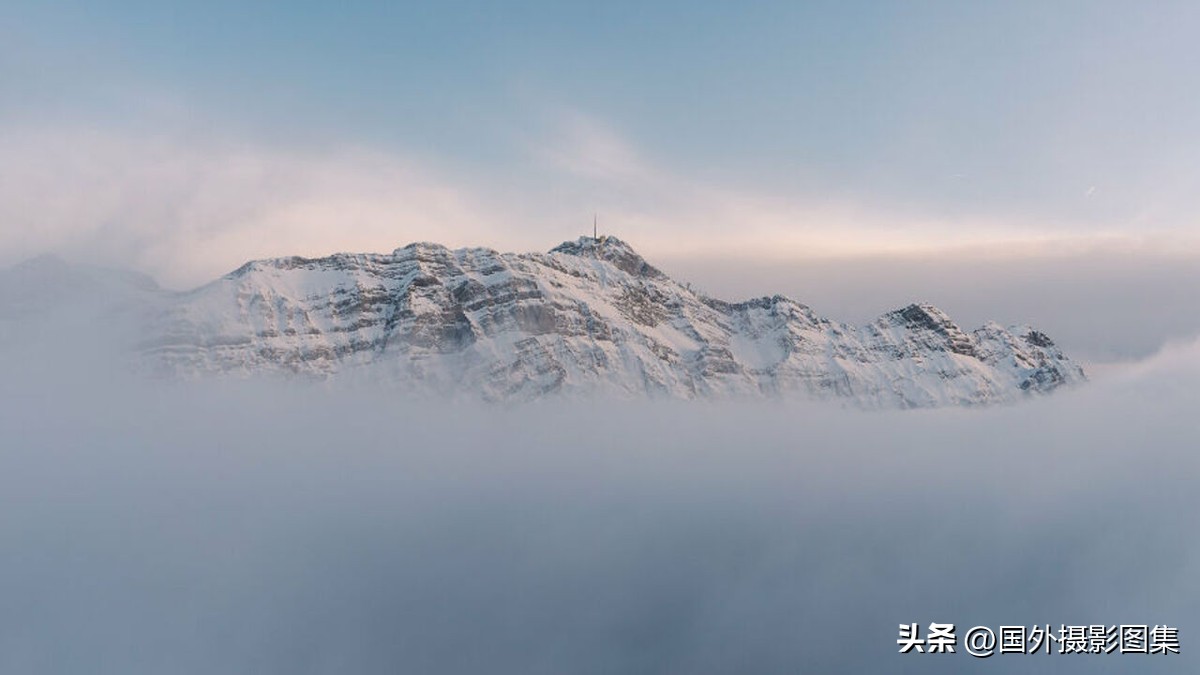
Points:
249	528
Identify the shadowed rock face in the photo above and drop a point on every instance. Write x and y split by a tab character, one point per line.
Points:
591	316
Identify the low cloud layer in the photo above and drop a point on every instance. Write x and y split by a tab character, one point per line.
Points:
244	527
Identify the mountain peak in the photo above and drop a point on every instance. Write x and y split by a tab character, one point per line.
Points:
612	250
923	314
420	247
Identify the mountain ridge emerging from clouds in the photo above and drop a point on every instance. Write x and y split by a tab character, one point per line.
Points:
590	317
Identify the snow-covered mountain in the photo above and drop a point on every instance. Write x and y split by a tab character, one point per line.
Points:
589	317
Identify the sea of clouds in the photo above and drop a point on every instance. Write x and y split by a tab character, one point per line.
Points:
251	527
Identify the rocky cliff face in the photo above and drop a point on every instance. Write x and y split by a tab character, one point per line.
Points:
591	317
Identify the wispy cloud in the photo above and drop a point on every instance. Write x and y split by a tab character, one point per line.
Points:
186	208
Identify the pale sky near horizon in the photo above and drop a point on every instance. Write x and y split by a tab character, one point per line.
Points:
181	139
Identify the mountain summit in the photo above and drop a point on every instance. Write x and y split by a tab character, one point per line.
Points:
591	316
611	250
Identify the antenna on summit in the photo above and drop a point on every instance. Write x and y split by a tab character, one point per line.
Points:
594	235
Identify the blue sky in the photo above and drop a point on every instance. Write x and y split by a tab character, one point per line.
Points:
789	129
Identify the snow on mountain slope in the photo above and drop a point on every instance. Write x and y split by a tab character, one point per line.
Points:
589	317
